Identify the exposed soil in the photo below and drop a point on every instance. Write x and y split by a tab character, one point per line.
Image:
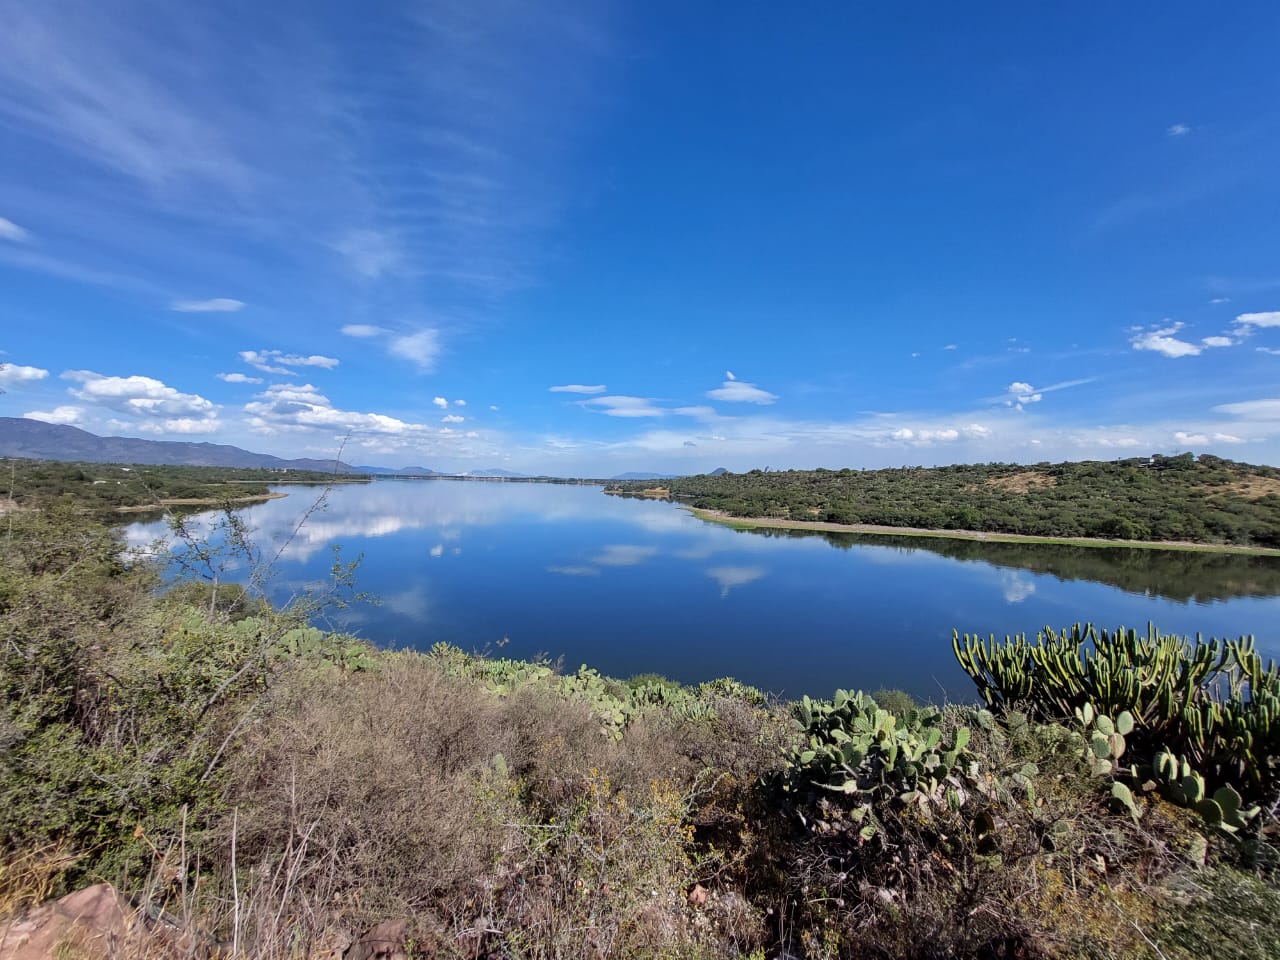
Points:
1022	482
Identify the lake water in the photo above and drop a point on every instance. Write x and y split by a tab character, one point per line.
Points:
632	586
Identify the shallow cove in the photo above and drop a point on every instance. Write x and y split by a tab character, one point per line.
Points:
631	586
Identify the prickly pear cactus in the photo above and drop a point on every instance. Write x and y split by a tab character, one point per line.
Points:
1105	739
856	749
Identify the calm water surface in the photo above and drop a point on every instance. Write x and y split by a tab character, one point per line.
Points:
631	586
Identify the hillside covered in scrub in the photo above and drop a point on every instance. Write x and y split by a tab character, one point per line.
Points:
1203	499
260	788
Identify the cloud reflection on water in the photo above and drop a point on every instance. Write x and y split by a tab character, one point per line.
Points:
729	577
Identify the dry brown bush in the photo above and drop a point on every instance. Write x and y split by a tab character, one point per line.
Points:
507	823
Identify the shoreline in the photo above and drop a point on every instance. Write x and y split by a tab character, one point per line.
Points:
309	483
199	502
868	529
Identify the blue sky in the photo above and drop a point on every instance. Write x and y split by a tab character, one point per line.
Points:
583	238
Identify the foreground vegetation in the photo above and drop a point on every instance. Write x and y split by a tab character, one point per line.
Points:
1203	499
273	790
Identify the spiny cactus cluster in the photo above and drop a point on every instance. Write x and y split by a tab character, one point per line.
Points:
268	639
1213	701
341	650
854	747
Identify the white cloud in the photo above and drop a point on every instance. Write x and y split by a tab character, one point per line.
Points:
1268	409
1163	341
1021	392
459	403
620	406
1248	322
1178	130
579	388
928	435
67	414
85	80
266	360
1217	341
739	391
371	253
698	412
363	330
12	373
422	348
1271	350
238	378
1199	439
186	425
1220	300
441	402
728	375
140	396
572	571
216	305
1120	443
11	231
951	346
259	364
452	418
286	406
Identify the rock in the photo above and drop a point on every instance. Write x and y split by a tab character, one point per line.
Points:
91	923
387	941
332	944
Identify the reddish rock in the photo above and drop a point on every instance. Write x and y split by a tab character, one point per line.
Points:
386	941
92	923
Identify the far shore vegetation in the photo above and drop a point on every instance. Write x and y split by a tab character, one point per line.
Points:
104	489
870	530
1170	501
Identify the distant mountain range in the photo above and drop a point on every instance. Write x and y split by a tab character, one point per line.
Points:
426	472
398	471
37	440
717	472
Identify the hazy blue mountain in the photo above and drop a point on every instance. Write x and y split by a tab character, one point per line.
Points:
37	440
492	472
399	471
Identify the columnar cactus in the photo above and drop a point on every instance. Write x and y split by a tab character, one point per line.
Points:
1214	702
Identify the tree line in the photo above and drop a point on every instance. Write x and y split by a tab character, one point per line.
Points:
1204	499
